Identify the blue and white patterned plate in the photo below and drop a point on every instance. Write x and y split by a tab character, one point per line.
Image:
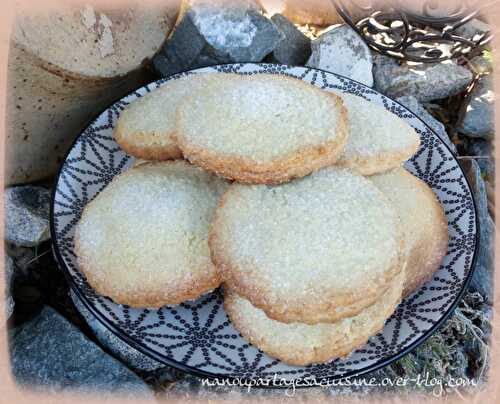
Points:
197	336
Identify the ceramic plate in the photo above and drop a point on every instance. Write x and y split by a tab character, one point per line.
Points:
197	336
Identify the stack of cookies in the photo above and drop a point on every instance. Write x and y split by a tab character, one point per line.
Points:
291	198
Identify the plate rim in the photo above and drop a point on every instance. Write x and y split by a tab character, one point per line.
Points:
122	335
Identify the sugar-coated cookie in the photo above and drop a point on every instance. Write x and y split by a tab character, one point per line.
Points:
262	128
379	140
146	128
313	250
302	344
143	241
424	224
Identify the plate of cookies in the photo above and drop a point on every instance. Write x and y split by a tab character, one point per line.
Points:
262	221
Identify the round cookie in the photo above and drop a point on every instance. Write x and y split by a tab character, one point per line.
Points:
424	224
302	344
146	128
313	250
262	128
143	241
379	140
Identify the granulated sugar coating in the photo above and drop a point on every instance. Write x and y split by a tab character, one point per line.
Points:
303	344
143	241
424	224
314	250
379	140
146	128
262	129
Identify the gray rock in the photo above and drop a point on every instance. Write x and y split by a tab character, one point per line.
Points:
340	50
479	119
210	34
295	48
24	257
27	215
479	148
424	81
482	279
473	29
482	64
482	151
132	357
50	354
9	275
487	166
413	105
